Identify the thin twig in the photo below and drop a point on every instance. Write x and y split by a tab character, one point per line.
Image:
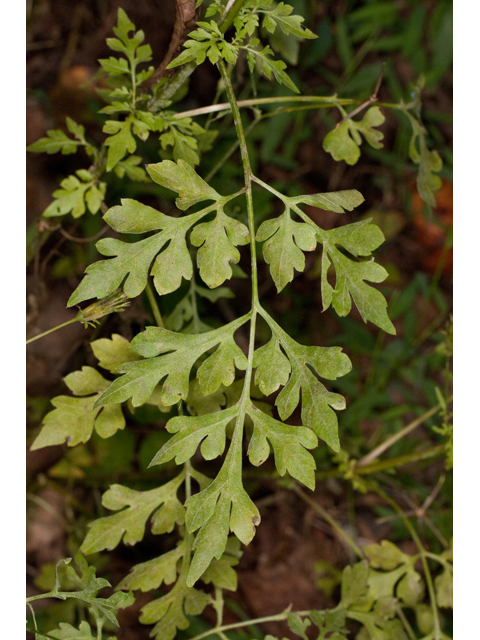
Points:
82	240
398	436
373	98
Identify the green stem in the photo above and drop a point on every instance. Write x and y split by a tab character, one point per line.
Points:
45	333
230	16
247	171
437	634
398	436
405	622
246	623
153	304
331	521
399	461
320	101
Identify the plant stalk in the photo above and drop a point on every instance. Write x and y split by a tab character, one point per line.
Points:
398	436
45	333
153	304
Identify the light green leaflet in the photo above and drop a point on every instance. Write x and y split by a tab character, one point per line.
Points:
74	419
343	142
359	239
129	524
285	240
176	353
132	262
284	243
291	365
170	611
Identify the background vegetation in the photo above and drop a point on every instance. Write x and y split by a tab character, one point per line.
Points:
300	549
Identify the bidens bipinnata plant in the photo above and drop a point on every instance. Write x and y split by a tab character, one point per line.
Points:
215	390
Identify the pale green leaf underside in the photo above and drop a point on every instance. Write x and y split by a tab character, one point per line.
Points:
172	355
285	241
359	239
129	524
74	418
170	611
132	261
292	366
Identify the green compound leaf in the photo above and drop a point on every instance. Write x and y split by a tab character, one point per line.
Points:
150	575
129	524
360	239
217	241
176	354
181	178
73	419
317	402
170	611
289	445
76	195
284	243
343	142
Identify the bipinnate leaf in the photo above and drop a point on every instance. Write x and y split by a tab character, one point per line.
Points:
317	402
218	240
289	445
150	575
181	178
359	238
171	355
129	524
132	261
73	419
284	243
